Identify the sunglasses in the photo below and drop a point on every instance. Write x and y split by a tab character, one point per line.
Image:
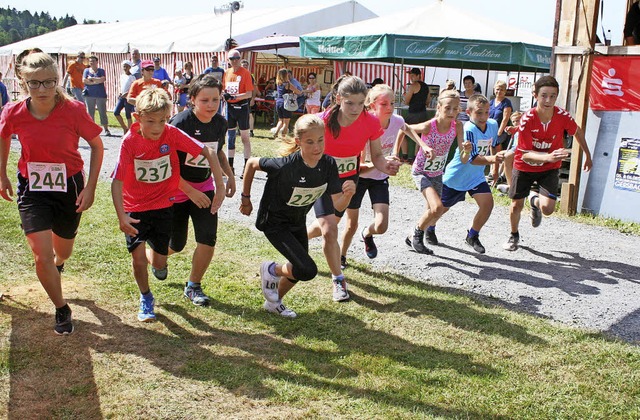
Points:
234	58
311	77
149	69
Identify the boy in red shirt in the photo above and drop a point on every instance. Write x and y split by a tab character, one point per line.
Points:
145	182
539	156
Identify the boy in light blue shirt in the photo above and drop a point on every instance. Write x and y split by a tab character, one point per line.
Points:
480	133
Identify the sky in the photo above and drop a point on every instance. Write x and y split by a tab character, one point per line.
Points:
533	16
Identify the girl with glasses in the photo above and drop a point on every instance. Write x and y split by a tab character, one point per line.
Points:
51	188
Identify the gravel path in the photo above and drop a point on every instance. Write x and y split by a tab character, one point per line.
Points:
573	273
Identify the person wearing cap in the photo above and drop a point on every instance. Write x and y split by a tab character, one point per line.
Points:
238	88
126	79
160	73
75	69
252	105
146	80
417	97
136	68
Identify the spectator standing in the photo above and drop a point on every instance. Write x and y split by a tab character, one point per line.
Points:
468	82
284	86
160	73
239	89
500	110
301	98
147	80
182	90
75	71
313	93
252	104
96	93
126	80
417	98
215	69
136	67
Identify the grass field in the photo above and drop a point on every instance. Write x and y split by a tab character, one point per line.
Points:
399	349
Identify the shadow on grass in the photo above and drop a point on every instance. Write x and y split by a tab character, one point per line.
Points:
53	376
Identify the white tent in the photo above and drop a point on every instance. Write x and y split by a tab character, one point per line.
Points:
199	33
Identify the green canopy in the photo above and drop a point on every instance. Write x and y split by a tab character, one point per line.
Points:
437	35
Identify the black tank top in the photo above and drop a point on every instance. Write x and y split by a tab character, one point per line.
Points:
418	101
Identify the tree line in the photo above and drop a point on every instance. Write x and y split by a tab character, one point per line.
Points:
18	25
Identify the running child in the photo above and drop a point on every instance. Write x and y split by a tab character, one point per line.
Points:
51	188
203	124
145	184
437	134
380	103
539	156
294	183
465	173
348	129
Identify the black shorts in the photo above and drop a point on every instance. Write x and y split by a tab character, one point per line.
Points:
55	211
324	205
416	117
521	183
378	192
283	113
154	228
205	224
238	115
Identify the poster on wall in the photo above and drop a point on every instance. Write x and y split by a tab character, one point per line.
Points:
628	169
522	85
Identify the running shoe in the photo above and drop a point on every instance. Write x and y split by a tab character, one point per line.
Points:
430	236
340	293
60	268
160	273
536	213
416	242
195	294
512	243
343	262
474	242
279	308
64	324
503	188
269	283
370	247
146	313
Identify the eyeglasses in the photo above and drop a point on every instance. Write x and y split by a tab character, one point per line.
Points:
48	84
310	77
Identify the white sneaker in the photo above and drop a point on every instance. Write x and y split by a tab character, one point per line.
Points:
269	283
279	308
340	292
503	188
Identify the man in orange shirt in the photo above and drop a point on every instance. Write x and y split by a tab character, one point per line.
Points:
238	88
75	69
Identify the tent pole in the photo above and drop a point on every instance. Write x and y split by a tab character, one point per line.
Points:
486	82
535	75
460	87
518	82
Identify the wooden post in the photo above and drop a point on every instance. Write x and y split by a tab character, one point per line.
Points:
573	58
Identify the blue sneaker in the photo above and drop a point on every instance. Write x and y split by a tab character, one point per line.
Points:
146	314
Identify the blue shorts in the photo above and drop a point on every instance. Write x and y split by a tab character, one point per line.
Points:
378	192
450	196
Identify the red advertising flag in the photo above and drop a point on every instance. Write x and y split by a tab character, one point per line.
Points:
615	84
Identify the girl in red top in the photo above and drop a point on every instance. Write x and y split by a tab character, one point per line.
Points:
51	185
348	129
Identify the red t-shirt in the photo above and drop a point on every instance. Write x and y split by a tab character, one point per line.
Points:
237	82
150	169
539	137
351	141
138	85
52	140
